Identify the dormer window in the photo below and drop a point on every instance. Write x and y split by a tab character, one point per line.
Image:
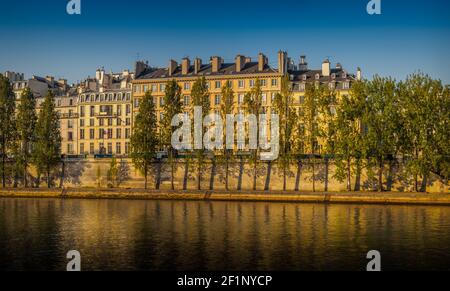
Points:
344	74
317	76
304	77
102	97
333	76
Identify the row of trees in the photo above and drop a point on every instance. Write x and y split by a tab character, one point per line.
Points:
380	124
27	137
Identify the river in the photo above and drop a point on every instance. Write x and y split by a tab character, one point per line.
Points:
36	234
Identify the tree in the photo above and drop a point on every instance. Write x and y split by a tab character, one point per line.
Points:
309	119
327	104
47	150
144	141
287	117
200	97
349	140
7	121
26	132
227	108
172	106
424	115
380	120
252	103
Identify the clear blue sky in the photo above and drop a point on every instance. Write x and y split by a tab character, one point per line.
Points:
39	37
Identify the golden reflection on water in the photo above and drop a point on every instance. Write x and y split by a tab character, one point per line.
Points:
185	235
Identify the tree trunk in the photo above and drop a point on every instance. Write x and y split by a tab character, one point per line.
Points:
349	187
3	167
226	173
269	174
241	172
390	179
25	180
145	176
172	171
186	174
423	187
358	175
314	175
380	175
48	178
158	175
63	170
213	174
199	174
298	176
254	173
326	173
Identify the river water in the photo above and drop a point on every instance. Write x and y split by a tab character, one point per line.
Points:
36	234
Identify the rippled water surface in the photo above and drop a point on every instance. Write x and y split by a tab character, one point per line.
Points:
35	234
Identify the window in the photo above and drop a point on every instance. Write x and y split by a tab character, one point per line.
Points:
91	148
317	76
217	100
70	123
109	148
110	133
345	85
81	133
81	111
331	85
102	97
101	133
91	122
274	82
70	136
252	83
118	148
128	121
304	77
187	86
127	148
263	98
145	88
241	84
91	133
218	84
240	98
101	148
70	148
127	133
186	100
162	87
101	122
273	97
81	122
92	111
136	89
263	82
128	109
128	96
81	148
119	109
161	101
154	88
118	133
302	87
110	121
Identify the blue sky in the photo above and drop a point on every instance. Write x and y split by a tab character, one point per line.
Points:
39	37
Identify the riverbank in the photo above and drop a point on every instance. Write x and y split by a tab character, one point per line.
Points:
273	196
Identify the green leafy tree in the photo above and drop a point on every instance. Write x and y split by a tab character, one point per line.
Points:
252	103
380	120
349	139
287	118
7	121
309	119
26	132
327	104
47	149
144	141
425	116
227	108
172	106
200	97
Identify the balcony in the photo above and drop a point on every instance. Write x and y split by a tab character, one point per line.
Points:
68	115
106	114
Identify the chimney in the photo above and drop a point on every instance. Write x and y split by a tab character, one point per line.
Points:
139	68
216	63
262	61
338	66
326	68
185	65
172	67
248	60
282	62
62	81
240	62
197	65
50	78
303	65
358	74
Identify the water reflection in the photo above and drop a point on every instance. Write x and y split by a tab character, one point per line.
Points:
35	234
